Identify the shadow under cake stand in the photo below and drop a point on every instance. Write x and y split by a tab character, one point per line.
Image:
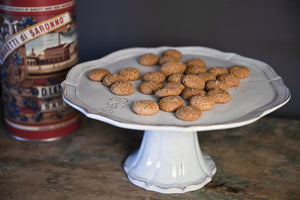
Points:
169	159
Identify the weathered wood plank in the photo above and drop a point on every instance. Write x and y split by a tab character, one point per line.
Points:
258	161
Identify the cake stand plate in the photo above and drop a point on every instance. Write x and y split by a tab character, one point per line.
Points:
169	159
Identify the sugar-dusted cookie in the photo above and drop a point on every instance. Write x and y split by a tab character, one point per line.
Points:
193	81
219	95
154	76
188	113
216	84
218	70
230	79
239	71
195	69
145	107
98	74
173	53
109	79
170	103
195	61
204	103
175	77
149	59
130	73
207	76
122	88
169	68
172	84
149	87
170	89
187	93
165	59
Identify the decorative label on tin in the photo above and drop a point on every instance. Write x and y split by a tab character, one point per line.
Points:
38	45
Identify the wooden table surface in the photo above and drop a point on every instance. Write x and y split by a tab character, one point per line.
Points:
257	161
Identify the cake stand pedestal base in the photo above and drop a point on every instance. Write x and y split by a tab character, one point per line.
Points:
170	162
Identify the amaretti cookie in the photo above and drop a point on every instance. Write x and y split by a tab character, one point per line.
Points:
216	84
176	78
165	59
217	70
172	68
98	74
219	95
109	79
204	103
170	103
145	107
173	53
239	71
195	69
170	89
130	73
154	76
149	87
122	88
149	59
187	93
188	113
195	61
193	81
207	76
230	79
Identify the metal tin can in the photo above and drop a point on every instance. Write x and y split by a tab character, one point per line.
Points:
38	44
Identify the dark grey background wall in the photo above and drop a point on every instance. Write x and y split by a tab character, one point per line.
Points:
268	30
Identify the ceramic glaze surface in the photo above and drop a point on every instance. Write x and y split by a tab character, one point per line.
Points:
259	94
169	159
170	162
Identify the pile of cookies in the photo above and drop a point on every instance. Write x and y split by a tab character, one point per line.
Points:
173	83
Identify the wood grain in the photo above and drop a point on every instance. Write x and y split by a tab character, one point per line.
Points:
258	161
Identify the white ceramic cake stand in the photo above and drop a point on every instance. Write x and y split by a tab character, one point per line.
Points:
169	159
